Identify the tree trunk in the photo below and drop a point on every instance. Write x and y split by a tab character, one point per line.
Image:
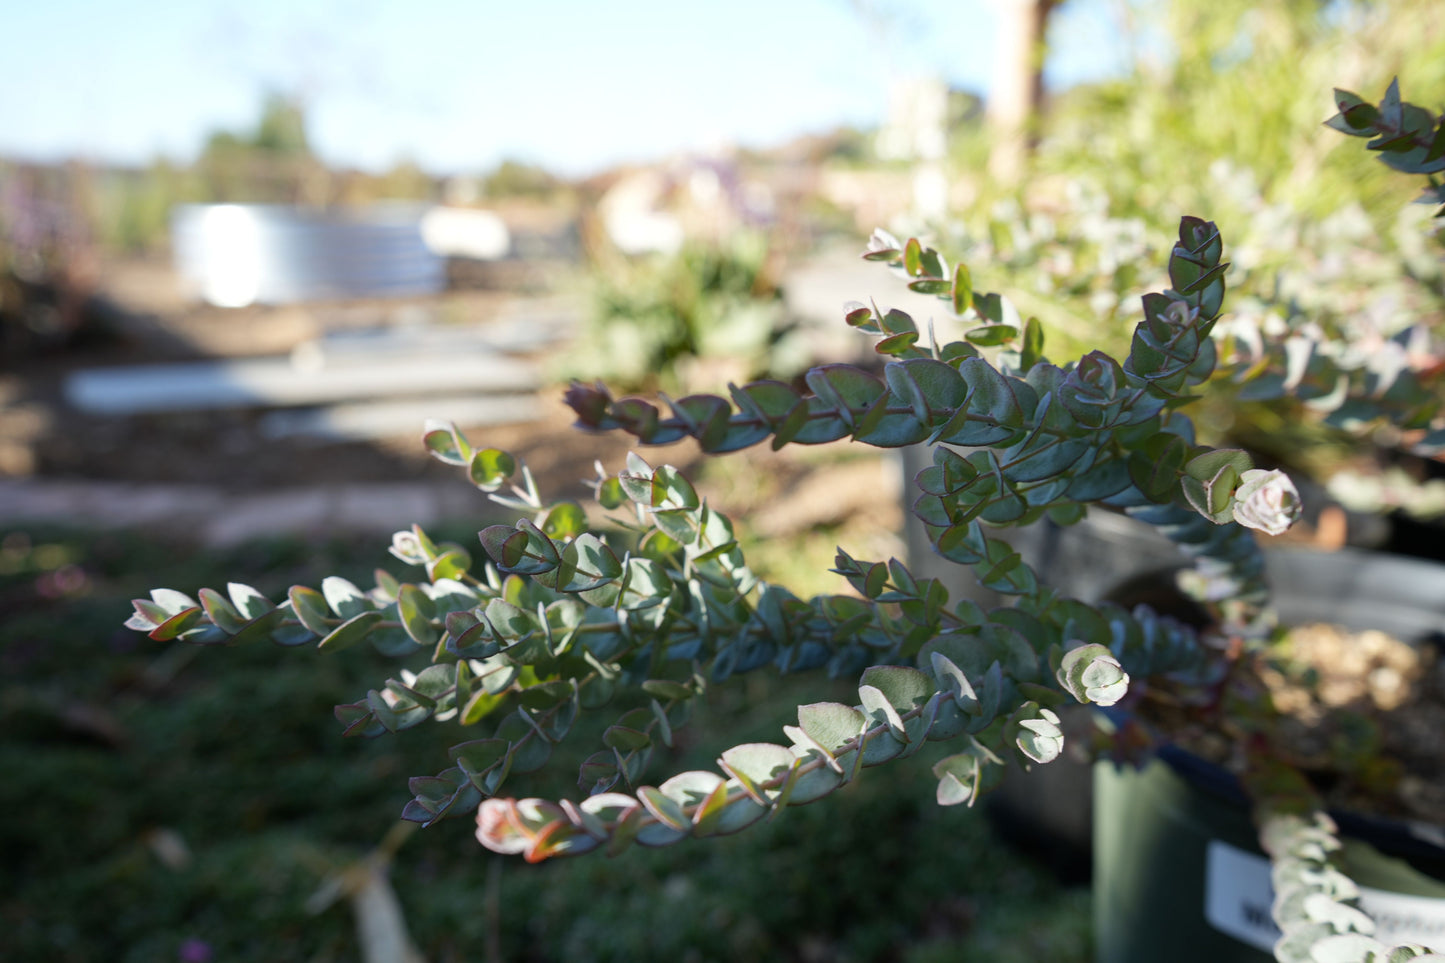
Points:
1018	87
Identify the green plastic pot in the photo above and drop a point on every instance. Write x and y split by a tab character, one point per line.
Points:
1178	874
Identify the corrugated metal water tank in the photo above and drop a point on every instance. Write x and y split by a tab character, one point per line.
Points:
233	255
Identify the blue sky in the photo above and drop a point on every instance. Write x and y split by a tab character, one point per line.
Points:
576	85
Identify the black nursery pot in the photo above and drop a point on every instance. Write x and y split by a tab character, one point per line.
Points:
1178	873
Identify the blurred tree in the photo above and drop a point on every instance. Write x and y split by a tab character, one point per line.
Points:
1016	94
513	178
282	129
406	181
271	163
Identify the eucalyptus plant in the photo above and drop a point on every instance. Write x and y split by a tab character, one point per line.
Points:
638	603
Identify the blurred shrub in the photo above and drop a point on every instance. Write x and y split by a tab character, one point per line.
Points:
1241	82
133	208
1224	111
651	319
513	178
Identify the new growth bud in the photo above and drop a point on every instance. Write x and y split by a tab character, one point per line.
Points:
1266	501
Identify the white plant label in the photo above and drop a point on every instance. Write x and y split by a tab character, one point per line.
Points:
1238	896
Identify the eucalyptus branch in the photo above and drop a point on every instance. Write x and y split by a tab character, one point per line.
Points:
1409	138
560	615
900	709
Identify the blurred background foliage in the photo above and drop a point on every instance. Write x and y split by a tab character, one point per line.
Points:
1247	84
1222	115
707	313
